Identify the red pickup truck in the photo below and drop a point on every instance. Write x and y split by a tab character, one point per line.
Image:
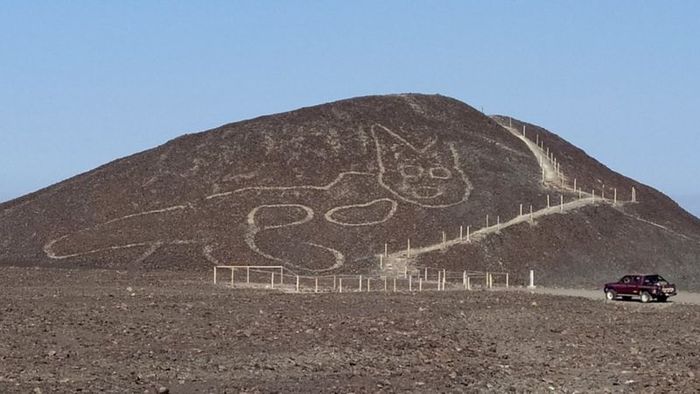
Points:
646	287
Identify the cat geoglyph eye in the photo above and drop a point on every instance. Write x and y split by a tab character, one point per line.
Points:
411	171
440	173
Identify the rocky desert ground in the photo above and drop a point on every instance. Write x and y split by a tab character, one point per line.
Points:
143	332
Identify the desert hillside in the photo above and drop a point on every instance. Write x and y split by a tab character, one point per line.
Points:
329	188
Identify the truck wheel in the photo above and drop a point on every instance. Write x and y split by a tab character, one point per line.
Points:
610	295
645	297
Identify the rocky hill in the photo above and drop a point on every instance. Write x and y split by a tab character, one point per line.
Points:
326	189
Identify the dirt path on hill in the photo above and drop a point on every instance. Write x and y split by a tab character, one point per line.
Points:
550	172
396	263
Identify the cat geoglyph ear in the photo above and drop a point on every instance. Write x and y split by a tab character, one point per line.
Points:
389	140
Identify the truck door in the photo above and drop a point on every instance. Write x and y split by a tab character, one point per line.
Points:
624	287
636	284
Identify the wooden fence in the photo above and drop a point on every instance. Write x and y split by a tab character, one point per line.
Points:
280	278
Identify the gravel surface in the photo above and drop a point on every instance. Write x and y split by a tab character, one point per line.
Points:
94	330
683	297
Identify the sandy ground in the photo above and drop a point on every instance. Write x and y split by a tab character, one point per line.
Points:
597	294
92	330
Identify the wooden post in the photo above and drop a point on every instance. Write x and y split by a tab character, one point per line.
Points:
438	280
214	274
360	283
532	280
486	279
340	285
386	250
408	248
247	275
634	194
410	283
469	283
506	280
334	287
574	184
464	279
426	273
297	283
381	261
272	280
468	228
405	271
523	130
498	223
521	210
614	196
368	285
444	279
548	201
394	284
316	284
561	203
460	232
487	220
420	284
232	274
444	239
593	195
385	287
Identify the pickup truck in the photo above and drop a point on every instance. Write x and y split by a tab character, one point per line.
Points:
646	287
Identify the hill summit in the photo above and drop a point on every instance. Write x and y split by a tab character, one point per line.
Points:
327	189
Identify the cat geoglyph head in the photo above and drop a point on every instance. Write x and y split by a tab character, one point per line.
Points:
429	176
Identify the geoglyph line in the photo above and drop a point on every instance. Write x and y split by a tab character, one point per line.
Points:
327	186
329	215
428	151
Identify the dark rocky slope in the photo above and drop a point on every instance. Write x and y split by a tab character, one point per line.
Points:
321	189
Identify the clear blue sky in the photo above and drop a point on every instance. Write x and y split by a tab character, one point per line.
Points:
85	82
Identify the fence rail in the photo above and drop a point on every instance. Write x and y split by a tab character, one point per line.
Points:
280	278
